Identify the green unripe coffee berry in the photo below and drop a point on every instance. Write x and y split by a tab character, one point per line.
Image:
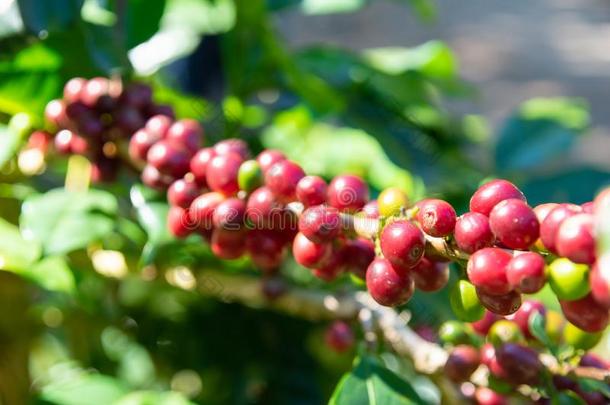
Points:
504	331
465	303
554	325
250	176
580	339
391	200
454	333
568	280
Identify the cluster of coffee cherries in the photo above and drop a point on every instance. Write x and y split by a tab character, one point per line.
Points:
508	349
96	116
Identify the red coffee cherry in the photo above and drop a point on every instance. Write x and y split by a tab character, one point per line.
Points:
268	157
599	278
588	207
266	249
551	223
93	90
487	270
586	314
347	193
63	141
137	95
488	357
525	273
331	268
221	173
129	120
461	363
472	232
73	89
387	285
430	275
514	224
487	396
542	210
483	325
55	113
371	209
158	125
140	143
199	163
230	214
227	244
104	170
436	217
153	178
233	145
358	253
311	190
339	336
575	239
521	364
310	254
183	192
168	159
490	194
186	133
90	126
500	304
402	243
282	178
202	209
522	316
320	223
76	112
263	210
178	222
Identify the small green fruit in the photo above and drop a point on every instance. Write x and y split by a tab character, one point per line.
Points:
580	339
504	331
391	200
454	333
465	303
250	176
569	281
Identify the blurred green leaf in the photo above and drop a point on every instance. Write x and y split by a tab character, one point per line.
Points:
537	327
49	16
572	113
83	389
313	7
425	9
62	221
16	253
143	20
152	216
184	105
12	135
590	385
153	398
371	383
51	273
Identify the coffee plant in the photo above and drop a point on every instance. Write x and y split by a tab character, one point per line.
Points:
313	230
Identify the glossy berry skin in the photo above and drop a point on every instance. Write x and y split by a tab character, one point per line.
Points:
168	159
227	244
55	113
388	286
62	141
222	172
579	339
551	223
523	315
436	217
263	210
186	133
310	254
140	143
575	239
282	178
230	214
461	363
454	333
339	336
250	176
358	253
488	357
504	331
599	279
391	201
500	304
585	313
183	192
402	243
526	273
137	95
153	178
268	157
311	190
487	270
232	145
491	193
320	224
178	222
482	326
472	232
347	193
93	90
266	249
465	303
158	125
487	396
568	280
199	163
202	209
73	89
520	363
514	224
331	268
430	275
371	209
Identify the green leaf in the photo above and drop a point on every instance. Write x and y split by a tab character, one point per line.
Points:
51	273
16	253
49	16
315	7
84	389
537	328
63	221
590	385
12	136
152	216
371	383
143	19
153	398
425	9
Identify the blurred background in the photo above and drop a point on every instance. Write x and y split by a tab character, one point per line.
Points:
432	97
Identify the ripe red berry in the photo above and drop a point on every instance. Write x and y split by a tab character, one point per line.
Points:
371	209
199	163
514	224
586	314
266	249
490	194
137	95
551	223
575	239
227	244
483	325
521	363
599	278
186	133
487	270
487	396
55	113
310	254
320	223
90	126
104	170
140	143
202	209
268	157
331	268
233	145
488	357
430	275
525	273
522	316
472	232
359	253
153	178
263	210
129	120
63	141
339	336
158	125
347	193
178	222
221	173
230	214
402	243
461	363
436	217
168	159
311	190
73	89
387	285
588	207
93	90
500	304
282	178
